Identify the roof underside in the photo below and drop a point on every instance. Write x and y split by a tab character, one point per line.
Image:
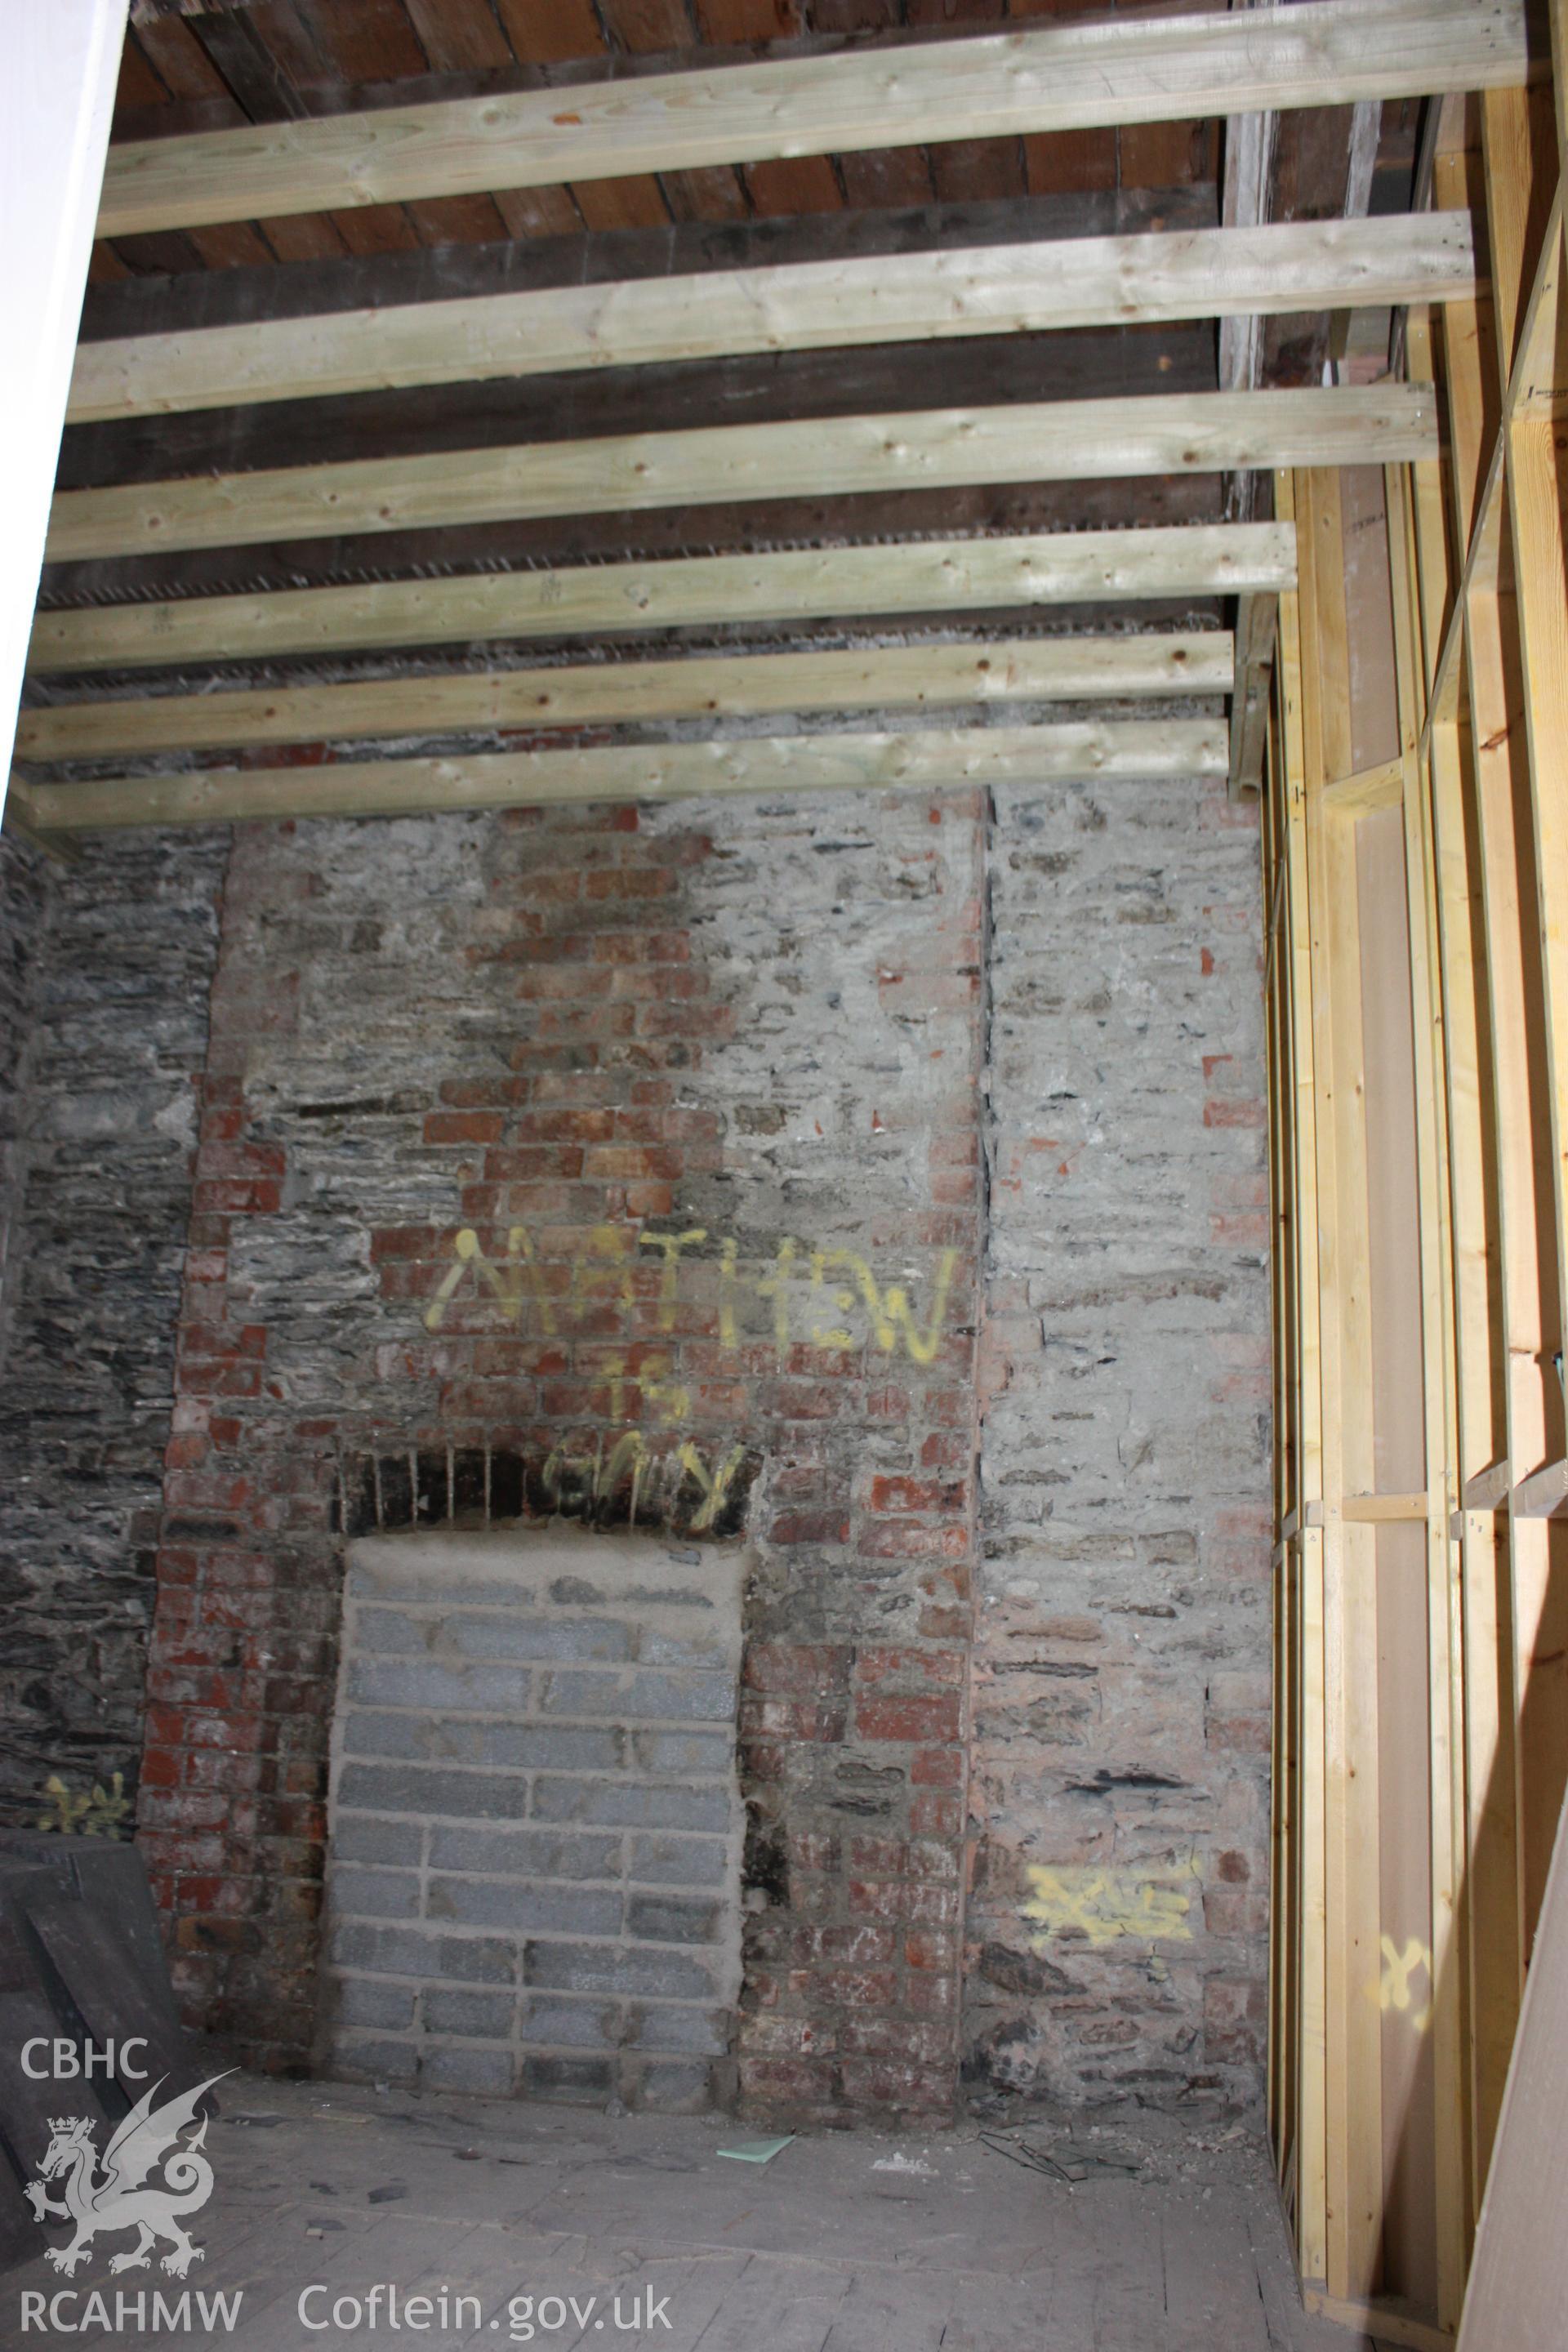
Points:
190	72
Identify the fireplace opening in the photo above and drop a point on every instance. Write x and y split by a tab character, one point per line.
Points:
536	1826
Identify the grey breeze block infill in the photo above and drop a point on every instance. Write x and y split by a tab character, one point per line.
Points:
535	1827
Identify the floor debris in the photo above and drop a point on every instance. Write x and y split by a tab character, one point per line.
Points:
756	2151
1064	2161
833	2254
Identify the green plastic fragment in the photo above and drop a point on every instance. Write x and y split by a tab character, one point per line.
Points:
756	2151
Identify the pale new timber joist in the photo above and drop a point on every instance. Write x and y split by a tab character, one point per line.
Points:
939	575
1129	750
1063	669
1062	440
1049	77
996	289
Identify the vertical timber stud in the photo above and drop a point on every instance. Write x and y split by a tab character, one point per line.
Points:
1257	619
1487	1957
1306	2158
1444	1624
1354	2132
1471	772
1521	776
1282	1763
1536	402
1285	1940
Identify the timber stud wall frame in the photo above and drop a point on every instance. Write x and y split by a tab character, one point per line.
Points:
1416	848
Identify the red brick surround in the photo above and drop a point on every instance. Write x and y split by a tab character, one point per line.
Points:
584	1092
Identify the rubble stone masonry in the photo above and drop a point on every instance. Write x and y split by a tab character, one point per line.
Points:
1120	1709
811	1176
107	963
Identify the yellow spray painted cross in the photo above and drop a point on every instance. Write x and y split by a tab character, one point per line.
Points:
1107	1906
1394	1990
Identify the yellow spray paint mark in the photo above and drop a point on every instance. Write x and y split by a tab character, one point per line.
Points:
889	1310
1107	1906
512	1282
95	1812
715	1486
729	1332
774	1288
628	1453
603	1267
669	1402
1394	1990
835	1338
593	1478
671	1244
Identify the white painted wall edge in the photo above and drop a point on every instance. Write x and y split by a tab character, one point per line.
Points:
60	61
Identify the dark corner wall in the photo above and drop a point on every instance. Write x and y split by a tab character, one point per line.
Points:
105	964
879	1179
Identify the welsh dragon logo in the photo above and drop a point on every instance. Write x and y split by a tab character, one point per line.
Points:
115	2198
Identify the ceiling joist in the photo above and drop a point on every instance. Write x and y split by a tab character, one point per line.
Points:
922	759
1110	282
1071	77
1061	669
835	584
227	490
1036	441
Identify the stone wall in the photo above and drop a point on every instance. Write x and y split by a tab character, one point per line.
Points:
625	1167
24	908
622	1165
1120	1718
107	965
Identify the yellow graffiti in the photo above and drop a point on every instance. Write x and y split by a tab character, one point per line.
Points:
603	1266
671	1244
775	1287
714	1487
670	1403
820	1335
628	1453
1105	1907
514	1281
889	1310
594	1479
729	1331
606	1242
97	1812
1394	1990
